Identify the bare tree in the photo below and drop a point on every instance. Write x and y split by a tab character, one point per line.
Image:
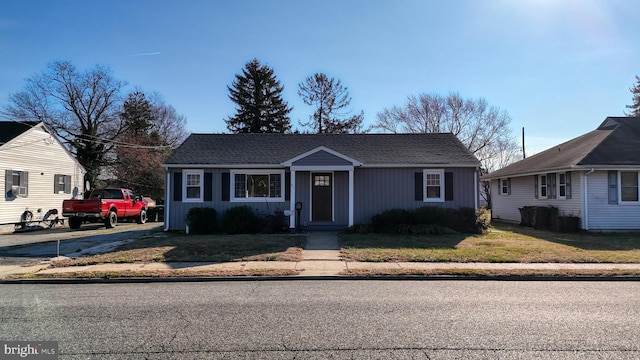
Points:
482	128
81	108
331	100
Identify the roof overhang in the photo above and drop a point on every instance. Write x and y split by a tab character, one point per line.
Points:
555	170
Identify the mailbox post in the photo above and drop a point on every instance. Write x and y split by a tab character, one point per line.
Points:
298	210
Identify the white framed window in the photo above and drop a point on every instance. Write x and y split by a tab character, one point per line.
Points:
562	185
542	187
257	185
628	190
61	184
505	186
193	185
433	180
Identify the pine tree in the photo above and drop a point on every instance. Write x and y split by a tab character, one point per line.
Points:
260	107
329	97
635	107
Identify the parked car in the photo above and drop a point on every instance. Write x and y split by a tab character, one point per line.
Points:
105	205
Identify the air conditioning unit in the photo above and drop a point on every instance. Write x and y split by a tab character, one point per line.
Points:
19	191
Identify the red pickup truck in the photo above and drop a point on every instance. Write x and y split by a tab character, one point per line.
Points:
106	205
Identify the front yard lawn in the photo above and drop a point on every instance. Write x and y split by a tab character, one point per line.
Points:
174	247
505	243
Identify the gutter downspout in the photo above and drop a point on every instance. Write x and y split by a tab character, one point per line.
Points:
475	190
586	199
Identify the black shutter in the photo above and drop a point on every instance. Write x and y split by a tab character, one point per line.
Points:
551	185
418	187
448	186
208	186
24	182
535	185
8	184
226	188
508	186
177	186
56	179
567	182
613	187
287	186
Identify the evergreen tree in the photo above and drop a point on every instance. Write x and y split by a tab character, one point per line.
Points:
329	97
635	107
260	108
137	115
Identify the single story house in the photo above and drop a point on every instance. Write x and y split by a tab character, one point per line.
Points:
595	176
38	173
336	179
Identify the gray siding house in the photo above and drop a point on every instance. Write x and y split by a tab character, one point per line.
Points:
595	176
37	171
338	179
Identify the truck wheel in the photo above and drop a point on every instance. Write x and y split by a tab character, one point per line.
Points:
142	217
112	220
74	222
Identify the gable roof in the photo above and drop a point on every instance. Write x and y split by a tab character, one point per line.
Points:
9	130
276	149
616	142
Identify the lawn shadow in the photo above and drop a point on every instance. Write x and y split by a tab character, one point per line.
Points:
582	240
180	247
398	241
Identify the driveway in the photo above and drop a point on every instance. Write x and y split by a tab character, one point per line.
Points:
29	247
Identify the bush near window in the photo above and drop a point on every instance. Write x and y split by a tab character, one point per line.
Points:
202	220
241	220
427	220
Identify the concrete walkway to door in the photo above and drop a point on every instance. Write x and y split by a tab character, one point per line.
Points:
321	255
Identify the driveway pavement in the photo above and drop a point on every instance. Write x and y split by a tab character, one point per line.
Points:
29	247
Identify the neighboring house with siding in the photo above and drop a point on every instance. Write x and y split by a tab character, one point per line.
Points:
595	176
38	172
339	179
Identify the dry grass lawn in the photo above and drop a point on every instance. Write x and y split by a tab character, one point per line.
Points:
173	247
505	243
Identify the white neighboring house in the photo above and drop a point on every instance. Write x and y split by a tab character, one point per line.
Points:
38	173
595	176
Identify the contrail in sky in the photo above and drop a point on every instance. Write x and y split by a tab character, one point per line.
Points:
146	54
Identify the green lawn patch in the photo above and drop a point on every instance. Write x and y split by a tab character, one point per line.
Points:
505	243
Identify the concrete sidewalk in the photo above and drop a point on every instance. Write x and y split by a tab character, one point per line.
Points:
321	258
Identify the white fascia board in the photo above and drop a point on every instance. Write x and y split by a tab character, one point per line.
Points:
322	168
322	148
475	166
223	166
565	169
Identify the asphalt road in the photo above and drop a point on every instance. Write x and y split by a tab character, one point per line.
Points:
29	247
329	319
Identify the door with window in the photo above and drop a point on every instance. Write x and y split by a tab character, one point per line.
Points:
322	197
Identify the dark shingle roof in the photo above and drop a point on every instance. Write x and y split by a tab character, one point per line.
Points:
10	129
616	142
370	149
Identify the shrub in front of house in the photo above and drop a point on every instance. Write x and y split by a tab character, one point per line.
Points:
241	220
202	220
427	220
275	223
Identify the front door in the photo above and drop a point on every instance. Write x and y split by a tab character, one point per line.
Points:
322	197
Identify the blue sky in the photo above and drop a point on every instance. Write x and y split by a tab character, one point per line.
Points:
557	67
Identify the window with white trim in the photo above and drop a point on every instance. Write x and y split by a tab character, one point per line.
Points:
542	187
562	185
61	184
629	187
193	188
433	185
257	185
504	187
